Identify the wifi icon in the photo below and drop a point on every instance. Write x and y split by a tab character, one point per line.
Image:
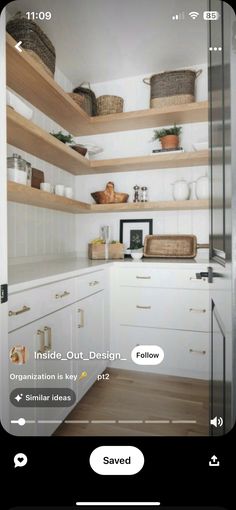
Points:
194	15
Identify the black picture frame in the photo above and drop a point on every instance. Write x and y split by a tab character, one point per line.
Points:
135	234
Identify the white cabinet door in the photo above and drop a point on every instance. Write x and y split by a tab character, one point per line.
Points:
58	329
89	340
55	331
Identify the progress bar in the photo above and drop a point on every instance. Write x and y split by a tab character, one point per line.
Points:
117	503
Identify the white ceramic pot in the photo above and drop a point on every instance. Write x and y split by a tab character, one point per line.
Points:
202	188
181	190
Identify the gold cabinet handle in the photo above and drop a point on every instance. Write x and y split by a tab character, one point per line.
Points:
47	339
18	312
144	307
197	310
81	317
93	283
64	294
40	339
143	277
195	351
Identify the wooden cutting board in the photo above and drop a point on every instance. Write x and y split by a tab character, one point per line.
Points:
37	178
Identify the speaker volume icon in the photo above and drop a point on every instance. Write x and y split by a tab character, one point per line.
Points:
217	422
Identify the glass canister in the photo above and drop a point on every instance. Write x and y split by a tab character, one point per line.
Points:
16	169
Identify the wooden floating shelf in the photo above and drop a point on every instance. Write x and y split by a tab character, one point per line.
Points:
31	196
25	135
156	161
29	80
162	205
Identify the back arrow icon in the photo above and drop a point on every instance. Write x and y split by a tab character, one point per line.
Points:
17	46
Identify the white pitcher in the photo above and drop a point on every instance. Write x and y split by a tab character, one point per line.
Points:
181	190
202	188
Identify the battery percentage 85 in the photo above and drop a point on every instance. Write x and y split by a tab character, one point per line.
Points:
211	15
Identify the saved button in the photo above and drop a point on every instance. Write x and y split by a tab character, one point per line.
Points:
116	460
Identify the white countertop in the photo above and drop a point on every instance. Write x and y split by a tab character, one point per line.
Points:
29	275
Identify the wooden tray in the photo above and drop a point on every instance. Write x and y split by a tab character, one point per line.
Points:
179	246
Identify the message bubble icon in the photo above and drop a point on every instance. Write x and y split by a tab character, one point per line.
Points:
147	355
20	460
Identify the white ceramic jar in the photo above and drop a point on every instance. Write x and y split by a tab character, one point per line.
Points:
181	190
202	188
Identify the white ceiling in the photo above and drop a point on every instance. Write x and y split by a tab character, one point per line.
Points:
100	40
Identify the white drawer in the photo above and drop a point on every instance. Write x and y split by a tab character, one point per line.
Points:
164	278
186	354
88	284
164	308
29	305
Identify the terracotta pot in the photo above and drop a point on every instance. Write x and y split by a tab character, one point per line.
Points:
170	142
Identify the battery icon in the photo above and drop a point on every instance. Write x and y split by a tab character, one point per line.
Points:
211	15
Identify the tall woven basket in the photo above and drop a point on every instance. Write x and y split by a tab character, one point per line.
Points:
34	41
107	105
173	87
86	98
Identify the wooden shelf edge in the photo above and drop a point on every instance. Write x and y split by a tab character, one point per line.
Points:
22	194
31	196
162	205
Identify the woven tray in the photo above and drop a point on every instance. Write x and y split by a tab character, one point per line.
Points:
179	246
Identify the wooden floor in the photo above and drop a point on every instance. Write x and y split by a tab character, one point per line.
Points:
141	398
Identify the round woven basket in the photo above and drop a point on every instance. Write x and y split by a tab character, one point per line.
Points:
172	87
109	104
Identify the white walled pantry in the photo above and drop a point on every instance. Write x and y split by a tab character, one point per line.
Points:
103	306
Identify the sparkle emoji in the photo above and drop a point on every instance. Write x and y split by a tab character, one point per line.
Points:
83	375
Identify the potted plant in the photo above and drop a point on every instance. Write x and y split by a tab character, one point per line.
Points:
169	138
63	138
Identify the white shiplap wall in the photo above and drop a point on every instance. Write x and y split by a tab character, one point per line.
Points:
34	231
136	95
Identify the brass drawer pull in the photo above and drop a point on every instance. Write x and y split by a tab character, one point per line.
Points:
93	283
144	307
195	351
143	277
64	294
81	316
18	312
197	310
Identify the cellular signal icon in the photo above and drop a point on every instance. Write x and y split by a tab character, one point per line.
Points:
178	17
194	15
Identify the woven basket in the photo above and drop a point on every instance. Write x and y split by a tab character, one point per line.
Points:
173	87
34	41
90	102
78	98
180	246
107	105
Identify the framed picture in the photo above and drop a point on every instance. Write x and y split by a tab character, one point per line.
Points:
133	232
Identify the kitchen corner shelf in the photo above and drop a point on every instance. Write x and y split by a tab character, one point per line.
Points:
29	80
26	195
26	135
31	196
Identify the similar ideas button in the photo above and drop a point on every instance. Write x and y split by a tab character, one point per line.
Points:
116	460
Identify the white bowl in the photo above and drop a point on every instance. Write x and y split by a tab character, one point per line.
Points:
200	146
19	106
137	255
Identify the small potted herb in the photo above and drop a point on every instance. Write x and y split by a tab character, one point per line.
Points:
63	138
169	138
